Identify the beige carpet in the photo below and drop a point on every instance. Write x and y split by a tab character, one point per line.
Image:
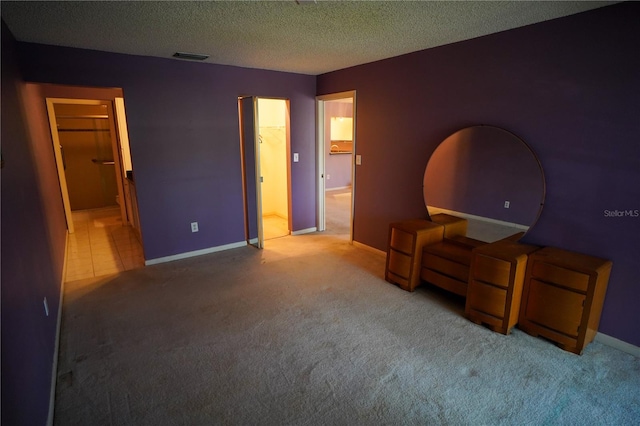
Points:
306	332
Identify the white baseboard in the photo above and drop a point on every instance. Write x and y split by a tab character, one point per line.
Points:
54	368
304	231
194	253
370	249
617	344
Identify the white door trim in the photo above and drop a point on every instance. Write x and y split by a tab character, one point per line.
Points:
320	153
320	147
256	147
125	151
53	124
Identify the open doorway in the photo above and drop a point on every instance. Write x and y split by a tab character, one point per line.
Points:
336	150
96	183
272	135
264	134
84	132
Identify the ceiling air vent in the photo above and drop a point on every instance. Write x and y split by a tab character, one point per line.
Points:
191	56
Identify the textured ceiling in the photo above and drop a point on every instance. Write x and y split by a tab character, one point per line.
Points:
308	38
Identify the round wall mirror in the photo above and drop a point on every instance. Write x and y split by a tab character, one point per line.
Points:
488	176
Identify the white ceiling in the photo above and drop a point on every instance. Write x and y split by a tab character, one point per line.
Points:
308	38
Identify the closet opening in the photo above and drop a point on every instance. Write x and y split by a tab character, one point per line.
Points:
265	149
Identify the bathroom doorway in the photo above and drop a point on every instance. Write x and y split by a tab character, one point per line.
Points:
264	131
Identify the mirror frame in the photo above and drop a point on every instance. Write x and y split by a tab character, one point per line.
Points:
515	139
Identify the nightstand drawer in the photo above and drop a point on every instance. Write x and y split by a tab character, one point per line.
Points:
492	270
487	298
397	279
402	241
443	281
445	266
563	295
561	276
554	307
405	243
399	264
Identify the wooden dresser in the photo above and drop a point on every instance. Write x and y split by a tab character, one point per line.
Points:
563	296
496	279
404	250
446	264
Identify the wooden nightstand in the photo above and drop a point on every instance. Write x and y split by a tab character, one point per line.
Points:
563	297
495	284
406	240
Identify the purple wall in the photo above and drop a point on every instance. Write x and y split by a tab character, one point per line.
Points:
569	87
33	243
185	146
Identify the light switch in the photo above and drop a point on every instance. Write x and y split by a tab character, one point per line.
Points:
358	160
296	158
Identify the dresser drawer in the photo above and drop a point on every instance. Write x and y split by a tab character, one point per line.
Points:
563	296
554	307
399	263
486	298
402	241
446	266
561	276
491	270
397	279
443	281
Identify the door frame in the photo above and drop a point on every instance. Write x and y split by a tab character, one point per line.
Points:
320	154
115	146
259	242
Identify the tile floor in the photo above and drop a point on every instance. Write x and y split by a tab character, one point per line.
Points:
100	245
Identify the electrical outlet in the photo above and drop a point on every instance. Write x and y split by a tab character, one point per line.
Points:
328	177
506	204
194	226
46	306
